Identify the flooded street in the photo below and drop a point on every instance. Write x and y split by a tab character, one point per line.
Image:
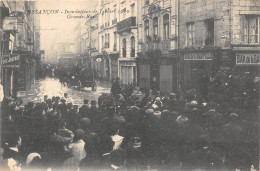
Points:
52	87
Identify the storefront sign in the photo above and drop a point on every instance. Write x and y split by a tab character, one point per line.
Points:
198	56
247	59
10	24
127	63
11	62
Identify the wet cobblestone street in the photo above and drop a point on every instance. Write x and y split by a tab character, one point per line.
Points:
52	87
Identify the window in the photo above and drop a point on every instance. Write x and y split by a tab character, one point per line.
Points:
102	41
146	27
155	25
115	13
209	32
124	13
166	26
124	47
105	40
132	46
190	34
115	43
103	18
108	40
146	2
108	17
133	10
251	29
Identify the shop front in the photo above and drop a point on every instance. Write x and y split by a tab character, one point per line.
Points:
10	65
127	71
197	67
157	72
18	73
247	70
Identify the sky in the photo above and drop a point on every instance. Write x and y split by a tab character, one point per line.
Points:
59	27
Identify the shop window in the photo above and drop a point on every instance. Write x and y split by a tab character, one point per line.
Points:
124	47
251	29
166	26
190	34
155	25
209	23
146	27
132	46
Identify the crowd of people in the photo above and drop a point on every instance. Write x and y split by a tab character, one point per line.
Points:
120	132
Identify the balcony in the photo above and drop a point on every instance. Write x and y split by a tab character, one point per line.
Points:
126	24
114	21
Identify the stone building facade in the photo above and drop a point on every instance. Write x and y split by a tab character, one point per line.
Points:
214	35
20	50
127	29
157	61
108	38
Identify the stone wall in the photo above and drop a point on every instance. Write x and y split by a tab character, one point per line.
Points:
198	11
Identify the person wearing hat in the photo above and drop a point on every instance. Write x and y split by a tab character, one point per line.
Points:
56	103
116	88
53	99
84	110
45	98
93	112
58	151
63	107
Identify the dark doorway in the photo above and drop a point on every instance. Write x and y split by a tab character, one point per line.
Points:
155	77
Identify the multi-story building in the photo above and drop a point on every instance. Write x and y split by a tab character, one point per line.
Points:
108	38
92	45
65	54
157	59
127	30
216	36
19	46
